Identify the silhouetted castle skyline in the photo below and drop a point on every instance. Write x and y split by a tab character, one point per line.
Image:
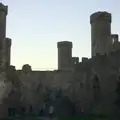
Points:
88	86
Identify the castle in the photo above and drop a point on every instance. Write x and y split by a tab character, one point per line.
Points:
88	86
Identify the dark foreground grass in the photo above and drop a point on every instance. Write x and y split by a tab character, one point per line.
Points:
76	118
84	117
61	118
88	117
91	117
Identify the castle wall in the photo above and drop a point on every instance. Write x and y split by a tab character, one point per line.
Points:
33	87
89	85
106	69
77	85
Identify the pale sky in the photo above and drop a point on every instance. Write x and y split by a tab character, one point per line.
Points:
35	27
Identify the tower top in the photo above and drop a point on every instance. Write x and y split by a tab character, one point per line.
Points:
9	41
100	15
3	8
64	44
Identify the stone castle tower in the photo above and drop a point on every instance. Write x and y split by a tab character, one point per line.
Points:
100	33
5	43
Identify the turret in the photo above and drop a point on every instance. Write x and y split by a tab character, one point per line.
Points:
3	14
64	55
100	33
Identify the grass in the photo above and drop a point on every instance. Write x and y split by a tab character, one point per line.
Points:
76	118
90	117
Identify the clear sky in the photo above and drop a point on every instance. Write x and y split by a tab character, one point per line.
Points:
36	26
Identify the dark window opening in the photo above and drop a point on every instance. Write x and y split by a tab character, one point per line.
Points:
30	109
22	110
96	87
81	85
11	112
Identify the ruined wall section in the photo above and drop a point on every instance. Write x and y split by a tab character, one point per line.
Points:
9	90
63	79
35	86
5	86
94	98
48	79
84	92
105	68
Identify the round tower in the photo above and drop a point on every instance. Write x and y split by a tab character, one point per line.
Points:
3	14
64	55
100	33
